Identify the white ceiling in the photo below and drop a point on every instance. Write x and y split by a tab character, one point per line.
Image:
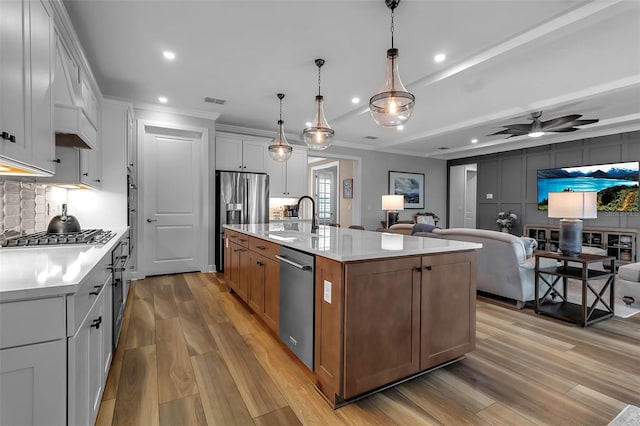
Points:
505	59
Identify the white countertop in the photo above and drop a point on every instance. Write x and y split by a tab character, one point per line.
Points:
344	244
30	272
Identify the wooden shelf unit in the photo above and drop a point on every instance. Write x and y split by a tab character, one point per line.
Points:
617	242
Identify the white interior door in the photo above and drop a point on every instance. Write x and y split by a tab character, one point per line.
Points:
172	221
470	189
462	196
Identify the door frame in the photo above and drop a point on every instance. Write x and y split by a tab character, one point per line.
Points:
335	196
356	212
203	183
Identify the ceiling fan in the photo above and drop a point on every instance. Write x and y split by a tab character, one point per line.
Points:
537	128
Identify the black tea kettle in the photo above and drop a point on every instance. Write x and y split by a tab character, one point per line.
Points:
63	224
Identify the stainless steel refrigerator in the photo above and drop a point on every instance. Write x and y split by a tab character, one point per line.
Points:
240	198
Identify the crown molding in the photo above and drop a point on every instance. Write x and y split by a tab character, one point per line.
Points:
207	115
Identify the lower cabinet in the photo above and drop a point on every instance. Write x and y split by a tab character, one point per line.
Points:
33	384
89	359
381	321
256	282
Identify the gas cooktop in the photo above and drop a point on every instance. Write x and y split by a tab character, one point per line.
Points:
88	236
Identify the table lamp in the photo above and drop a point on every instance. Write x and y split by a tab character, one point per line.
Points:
572	207
392	204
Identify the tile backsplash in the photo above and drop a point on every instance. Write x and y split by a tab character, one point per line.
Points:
27	207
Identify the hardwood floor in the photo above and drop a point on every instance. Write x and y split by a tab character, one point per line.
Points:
191	353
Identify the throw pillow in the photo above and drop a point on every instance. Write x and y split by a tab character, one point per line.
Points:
423	227
530	244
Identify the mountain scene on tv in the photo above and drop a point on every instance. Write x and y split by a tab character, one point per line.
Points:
616	184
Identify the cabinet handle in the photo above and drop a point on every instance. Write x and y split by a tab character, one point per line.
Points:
259	263
85	174
57	160
97	291
131	164
418	269
4	135
98	180
96	323
151	220
261	247
428	268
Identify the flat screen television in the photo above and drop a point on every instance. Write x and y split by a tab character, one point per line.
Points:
615	183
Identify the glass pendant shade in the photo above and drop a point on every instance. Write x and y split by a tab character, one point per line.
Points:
319	136
280	150
393	104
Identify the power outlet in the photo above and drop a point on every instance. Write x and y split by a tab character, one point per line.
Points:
489	196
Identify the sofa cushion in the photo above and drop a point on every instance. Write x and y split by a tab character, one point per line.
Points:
423	227
630	272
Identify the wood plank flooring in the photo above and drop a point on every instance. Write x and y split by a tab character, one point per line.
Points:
191	353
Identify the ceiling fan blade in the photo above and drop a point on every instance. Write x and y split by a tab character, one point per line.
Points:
518	127
556	122
510	132
584	122
563	129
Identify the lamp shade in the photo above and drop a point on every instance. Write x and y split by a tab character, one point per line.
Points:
393	202
574	205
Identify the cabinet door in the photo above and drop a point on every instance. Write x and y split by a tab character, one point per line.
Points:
448	297
271	312
42	42
228	153
90	102
243	274
85	354
90	167
33	384
131	145
13	79
256	282
234	265
381	323
253	156
277	176
296	176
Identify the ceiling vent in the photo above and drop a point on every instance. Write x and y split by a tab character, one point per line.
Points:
371	137
215	101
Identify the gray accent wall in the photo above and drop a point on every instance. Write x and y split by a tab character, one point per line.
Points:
512	180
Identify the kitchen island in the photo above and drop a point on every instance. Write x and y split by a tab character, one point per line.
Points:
387	307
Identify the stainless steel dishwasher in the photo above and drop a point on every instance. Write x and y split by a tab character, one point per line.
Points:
297	302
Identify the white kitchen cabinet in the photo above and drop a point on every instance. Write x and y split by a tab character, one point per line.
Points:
26	79
237	153
89	357
79	168
289	178
33	385
33	379
91	167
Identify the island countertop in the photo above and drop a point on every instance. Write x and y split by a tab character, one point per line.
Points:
344	244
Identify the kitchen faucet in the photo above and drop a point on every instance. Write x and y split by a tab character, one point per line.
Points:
314	222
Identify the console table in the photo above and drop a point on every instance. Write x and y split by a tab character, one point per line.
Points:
581	314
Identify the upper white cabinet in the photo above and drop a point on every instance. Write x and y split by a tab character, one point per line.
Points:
289	178
26	80
238	153
76	105
79	167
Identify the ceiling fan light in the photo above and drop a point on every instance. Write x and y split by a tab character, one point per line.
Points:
536	129
536	134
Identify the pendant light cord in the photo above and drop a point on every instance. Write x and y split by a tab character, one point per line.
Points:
280	109
392	27
319	80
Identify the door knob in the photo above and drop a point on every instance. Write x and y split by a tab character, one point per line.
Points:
151	220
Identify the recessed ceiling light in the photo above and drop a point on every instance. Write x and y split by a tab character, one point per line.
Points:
163	100
440	57
355	100
400	127
169	55
474	140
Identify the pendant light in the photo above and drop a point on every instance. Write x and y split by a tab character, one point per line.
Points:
392	105
320	135
280	150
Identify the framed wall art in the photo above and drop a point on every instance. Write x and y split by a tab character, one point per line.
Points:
411	185
347	188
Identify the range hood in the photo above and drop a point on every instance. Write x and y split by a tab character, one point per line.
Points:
72	122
